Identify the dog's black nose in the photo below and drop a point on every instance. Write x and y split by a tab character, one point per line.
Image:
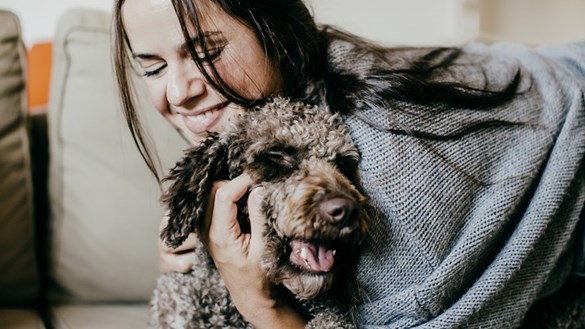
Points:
338	210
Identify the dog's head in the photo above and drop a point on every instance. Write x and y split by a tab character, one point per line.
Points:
304	158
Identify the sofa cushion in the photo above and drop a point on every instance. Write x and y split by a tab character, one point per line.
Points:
100	316
20	319
105	208
18	266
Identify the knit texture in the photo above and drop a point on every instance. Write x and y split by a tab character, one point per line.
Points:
468	232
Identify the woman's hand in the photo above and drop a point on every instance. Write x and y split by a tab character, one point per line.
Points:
237	255
175	260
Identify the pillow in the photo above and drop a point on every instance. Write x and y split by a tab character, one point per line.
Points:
18	274
105	202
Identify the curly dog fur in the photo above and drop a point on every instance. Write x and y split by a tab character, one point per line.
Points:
304	158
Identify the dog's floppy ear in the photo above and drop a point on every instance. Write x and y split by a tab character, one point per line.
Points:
192	179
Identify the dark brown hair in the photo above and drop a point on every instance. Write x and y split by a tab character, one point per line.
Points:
289	35
284	28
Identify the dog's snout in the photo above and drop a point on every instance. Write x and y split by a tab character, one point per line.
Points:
338	210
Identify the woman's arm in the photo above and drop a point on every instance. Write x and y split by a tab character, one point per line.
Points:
237	256
571	56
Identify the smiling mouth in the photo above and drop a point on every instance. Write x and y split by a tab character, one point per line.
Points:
203	116
207	113
205	120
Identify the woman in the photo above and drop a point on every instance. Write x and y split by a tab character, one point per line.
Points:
472	158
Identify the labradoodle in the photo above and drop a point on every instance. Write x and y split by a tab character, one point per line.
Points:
304	158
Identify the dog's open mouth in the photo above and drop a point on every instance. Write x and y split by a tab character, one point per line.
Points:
312	256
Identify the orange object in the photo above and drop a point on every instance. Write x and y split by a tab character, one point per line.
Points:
39	74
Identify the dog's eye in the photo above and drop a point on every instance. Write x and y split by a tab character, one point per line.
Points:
348	166
276	162
280	157
275	155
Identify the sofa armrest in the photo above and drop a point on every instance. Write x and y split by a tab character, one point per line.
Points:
18	264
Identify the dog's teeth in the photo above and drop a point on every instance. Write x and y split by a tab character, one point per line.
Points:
304	254
334	252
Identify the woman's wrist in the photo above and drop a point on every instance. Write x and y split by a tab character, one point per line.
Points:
273	314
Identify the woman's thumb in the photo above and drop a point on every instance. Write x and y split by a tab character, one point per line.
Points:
257	218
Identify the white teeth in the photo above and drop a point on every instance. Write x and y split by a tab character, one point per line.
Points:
304	254
334	252
200	117
197	118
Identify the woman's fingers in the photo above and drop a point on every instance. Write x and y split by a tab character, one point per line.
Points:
172	262
178	259
257	220
187	245
224	225
220	230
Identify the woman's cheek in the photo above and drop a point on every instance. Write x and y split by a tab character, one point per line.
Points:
158	96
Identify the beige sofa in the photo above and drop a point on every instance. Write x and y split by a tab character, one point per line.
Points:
79	210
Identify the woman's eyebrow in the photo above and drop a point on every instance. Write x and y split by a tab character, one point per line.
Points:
195	40
181	47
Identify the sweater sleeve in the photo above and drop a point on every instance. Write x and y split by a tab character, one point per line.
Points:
469	231
570	56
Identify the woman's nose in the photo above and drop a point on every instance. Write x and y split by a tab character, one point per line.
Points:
185	83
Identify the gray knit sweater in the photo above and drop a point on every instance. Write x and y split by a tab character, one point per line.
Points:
468	232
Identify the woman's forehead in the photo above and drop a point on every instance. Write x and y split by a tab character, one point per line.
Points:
146	10
157	2
144	6
152	12
141	16
154	32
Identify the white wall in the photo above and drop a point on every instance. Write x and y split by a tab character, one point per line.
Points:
39	17
410	22
533	21
388	21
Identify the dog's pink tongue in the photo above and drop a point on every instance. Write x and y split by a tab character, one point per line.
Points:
312	256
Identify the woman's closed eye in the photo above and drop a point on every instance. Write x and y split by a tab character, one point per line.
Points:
213	53
149	65
213	43
154	71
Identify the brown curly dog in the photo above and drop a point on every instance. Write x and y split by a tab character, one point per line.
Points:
304	158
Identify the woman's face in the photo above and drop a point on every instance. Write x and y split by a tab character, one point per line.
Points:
176	87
